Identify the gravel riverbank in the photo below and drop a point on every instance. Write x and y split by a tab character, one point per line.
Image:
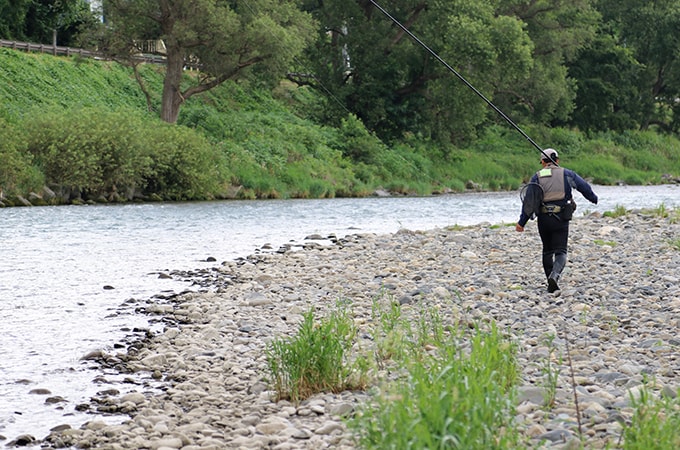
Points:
199	381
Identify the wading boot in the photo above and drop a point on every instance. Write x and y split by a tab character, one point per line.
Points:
552	283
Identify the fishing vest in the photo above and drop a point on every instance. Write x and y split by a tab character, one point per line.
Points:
551	179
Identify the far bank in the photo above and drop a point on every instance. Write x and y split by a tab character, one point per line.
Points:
82	130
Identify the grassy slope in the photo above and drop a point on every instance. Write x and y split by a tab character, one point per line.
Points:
272	151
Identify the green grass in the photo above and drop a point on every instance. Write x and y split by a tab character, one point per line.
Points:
655	422
316	359
675	243
619	211
457	396
442	385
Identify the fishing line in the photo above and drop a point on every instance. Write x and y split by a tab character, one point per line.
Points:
326	89
462	78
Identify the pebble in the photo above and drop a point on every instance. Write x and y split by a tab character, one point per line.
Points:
613	325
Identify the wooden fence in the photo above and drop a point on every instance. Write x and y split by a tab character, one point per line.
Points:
70	51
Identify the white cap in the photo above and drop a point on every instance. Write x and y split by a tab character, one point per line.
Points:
550	154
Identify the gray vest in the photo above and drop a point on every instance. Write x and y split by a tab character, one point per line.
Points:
551	179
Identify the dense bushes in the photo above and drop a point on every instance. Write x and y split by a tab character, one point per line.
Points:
120	155
17	174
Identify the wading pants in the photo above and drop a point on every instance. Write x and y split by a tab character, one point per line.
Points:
554	234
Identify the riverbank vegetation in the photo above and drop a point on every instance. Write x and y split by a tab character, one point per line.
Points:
76	130
333	99
457	387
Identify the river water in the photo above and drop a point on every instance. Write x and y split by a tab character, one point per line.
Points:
65	272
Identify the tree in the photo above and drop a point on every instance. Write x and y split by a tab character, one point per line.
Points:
49	21
608	92
513	51
558	29
376	71
12	17
650	30
41	21
227	39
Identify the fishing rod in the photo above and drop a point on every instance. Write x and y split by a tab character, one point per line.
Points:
462	78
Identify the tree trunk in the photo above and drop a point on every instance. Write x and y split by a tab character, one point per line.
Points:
172	94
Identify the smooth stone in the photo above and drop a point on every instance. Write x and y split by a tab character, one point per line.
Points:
328	428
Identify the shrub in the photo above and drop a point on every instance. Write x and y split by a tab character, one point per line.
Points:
184	164
358	144
89	150
17	174
98	152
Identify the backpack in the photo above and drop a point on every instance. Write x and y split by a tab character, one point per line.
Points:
532	199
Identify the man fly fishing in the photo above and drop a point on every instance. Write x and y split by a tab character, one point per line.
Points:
549	198
552	204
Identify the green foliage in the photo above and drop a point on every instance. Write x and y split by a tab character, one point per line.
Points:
675	244
271	152
557	30
391	331
98	153
648	30
655	422
17	174
36	20
85	150
460	396
513	52
255	145
257	41
608	92
357	143
316	359
619	211
550	370
30	80
184	164
12	18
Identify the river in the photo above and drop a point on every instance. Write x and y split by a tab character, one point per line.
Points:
65	272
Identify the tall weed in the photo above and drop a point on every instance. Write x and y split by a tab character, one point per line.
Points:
655	422
316	359
460	397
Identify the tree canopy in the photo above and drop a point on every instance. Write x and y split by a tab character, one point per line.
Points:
41	21
512	51
257	39
590	64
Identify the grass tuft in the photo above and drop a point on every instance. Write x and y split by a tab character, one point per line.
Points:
655	422
455	393
619	211
316	359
